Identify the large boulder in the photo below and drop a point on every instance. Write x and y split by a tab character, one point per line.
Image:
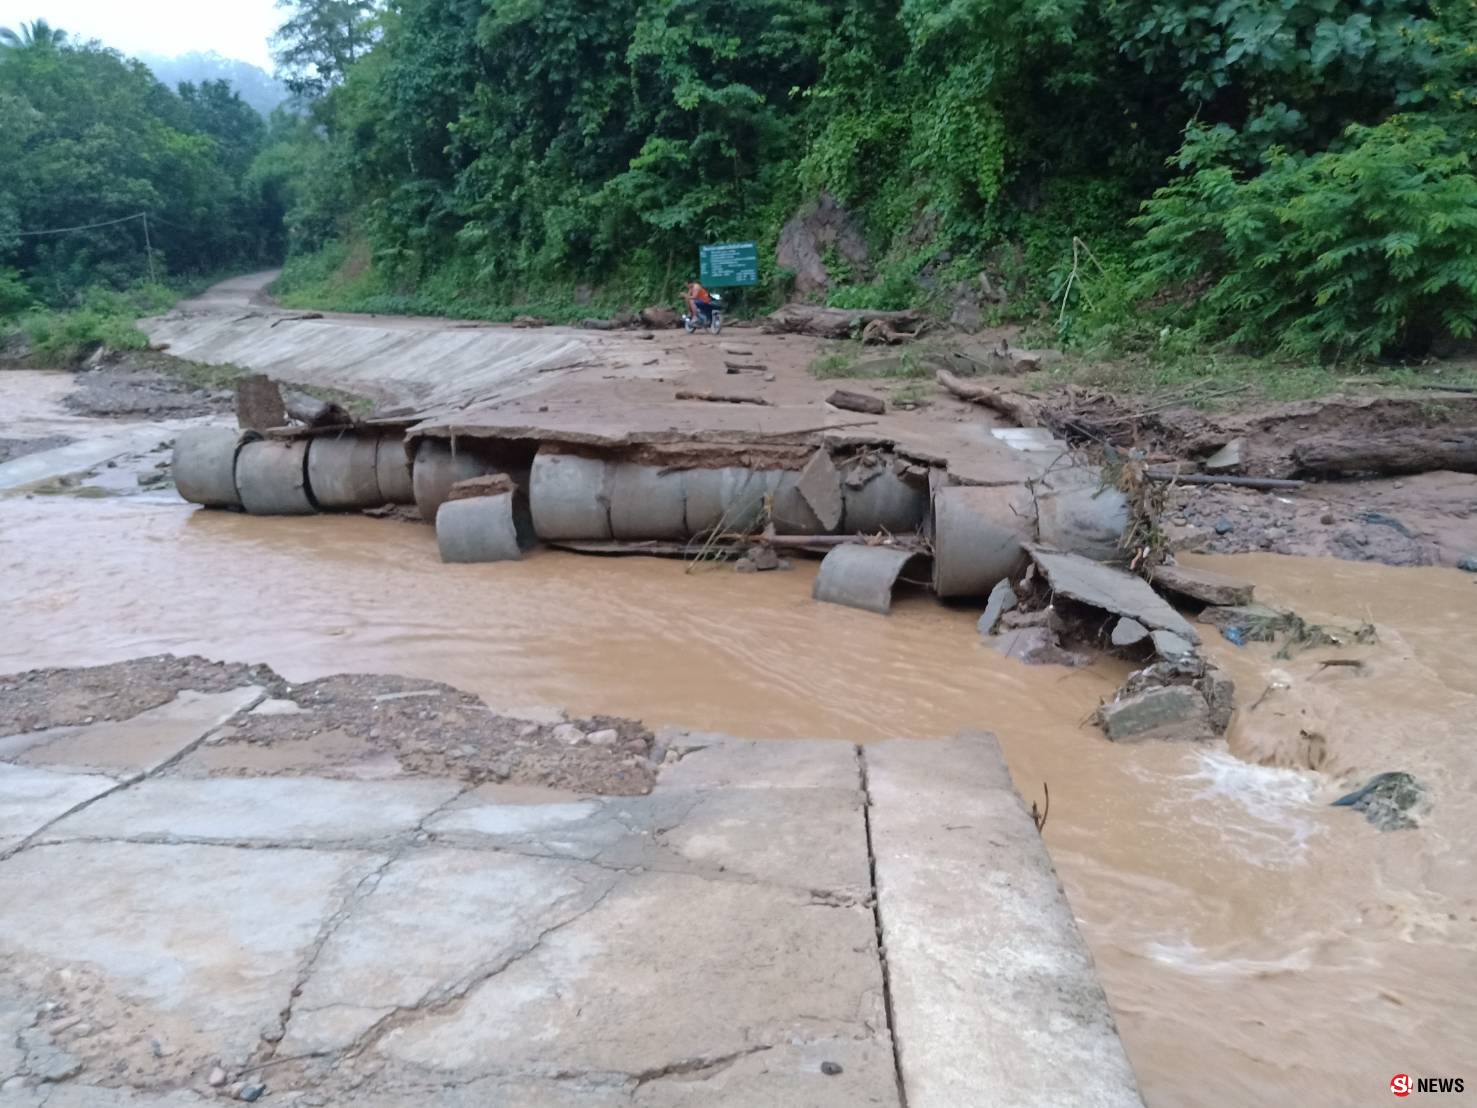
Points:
805	239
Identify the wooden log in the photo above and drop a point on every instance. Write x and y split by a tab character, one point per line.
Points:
1025	411
835	323
1413	450
719	397
857	402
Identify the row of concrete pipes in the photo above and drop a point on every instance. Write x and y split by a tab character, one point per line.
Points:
977	533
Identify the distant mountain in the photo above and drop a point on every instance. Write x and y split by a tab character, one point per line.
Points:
256	86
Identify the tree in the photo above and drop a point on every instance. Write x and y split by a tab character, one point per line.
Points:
320	40
37	35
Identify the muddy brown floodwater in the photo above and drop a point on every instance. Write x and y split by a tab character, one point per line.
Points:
1257	945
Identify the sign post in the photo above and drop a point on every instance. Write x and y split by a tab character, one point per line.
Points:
728	265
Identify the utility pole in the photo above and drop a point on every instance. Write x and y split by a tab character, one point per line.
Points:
149	247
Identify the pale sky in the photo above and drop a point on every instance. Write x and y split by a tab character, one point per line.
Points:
233	28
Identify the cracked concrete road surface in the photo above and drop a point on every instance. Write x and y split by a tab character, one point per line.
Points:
797	923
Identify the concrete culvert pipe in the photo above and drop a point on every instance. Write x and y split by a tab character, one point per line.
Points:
342	472
569	496
483	529
392	470
437	468
887	502
205	465
647	502
272	478
861	576
978	537
743	494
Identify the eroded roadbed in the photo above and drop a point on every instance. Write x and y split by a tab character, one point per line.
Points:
191	914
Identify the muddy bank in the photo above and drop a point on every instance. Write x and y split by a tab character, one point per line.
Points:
350	726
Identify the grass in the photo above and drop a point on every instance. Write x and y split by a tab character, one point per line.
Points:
1217	380
60	338
852	359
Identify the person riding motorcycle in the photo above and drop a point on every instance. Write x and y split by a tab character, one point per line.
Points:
699	303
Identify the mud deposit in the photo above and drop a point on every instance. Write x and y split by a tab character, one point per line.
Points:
1257	945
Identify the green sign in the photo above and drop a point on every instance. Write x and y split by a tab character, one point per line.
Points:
729	264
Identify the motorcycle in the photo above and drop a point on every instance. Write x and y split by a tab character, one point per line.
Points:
714	316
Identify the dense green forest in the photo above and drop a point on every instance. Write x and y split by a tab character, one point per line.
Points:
91	144
1281	175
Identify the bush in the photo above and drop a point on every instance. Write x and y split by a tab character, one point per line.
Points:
1369	248
15	297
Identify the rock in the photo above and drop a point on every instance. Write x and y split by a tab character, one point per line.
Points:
1328	519
608	736
764	558
1036	646
1220	697
1468	564
744	565
1002	600
44	1059
1080	579
1386	800
1241	615
251	1092
1127	632
1169	645
659	317
830	1069
1177	713
1227	458
1203	585
568	733
815	230
217	1078
1224	526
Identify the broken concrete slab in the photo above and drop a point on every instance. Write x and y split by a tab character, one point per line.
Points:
712	760
146	741
260	809
1169	645
994	993
1227	459
199	946
1175	713
31	798
1203	585
1128	632
820	486
861	576
1002	599
1099	586
467	914
661	976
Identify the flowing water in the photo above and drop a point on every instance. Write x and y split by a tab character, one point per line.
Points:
1257	945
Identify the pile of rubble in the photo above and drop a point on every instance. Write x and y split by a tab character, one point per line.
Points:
1066	608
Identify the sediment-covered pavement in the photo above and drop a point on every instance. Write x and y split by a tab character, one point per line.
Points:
191	915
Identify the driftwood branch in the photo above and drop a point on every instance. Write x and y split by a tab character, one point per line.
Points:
1213	479
719	397
1025	411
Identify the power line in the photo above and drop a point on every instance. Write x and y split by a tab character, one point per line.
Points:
83	227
